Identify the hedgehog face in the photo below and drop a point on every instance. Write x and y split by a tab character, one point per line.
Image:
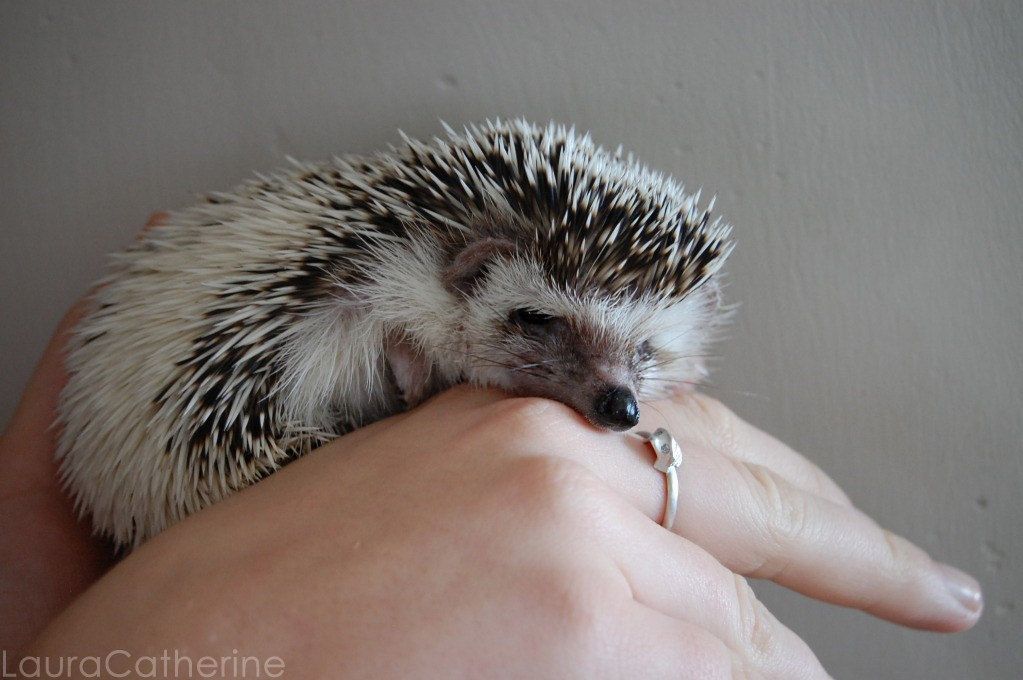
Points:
570	358
600	352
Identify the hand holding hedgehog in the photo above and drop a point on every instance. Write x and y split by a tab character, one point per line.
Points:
465	535
740	494
250	329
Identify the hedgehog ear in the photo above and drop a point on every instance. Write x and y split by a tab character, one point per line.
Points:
469	265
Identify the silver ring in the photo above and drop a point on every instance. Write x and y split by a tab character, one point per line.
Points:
669	457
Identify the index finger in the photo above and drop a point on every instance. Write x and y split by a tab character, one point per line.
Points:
759	524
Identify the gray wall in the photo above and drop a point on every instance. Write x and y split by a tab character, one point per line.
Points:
869	155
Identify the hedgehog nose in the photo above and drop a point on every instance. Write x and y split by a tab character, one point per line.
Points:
617	409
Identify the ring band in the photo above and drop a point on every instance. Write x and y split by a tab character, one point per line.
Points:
669	457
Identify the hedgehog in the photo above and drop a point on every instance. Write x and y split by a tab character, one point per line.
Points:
249	329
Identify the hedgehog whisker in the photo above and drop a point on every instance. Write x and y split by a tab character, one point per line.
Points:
470	355
508	350
492	362
677	381
671	360
670	340
709	386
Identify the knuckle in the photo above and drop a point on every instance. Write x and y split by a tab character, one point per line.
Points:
712	659
894	546
901	564
904	557
718	422
755	623
785	510
556	488
823	485
580	607
740	671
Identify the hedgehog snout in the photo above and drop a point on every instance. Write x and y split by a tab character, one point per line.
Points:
616	409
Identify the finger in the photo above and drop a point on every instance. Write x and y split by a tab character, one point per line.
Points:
761	525
695	416
655	645
677	578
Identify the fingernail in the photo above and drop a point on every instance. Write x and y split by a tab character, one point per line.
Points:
963	587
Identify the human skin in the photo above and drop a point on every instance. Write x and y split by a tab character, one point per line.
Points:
474	535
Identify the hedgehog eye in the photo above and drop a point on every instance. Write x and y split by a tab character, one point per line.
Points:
645	350
530	318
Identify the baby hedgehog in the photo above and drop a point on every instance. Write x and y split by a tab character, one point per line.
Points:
249	329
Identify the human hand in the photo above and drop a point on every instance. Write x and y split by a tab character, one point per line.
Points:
458	539
753	503
47	556
767	512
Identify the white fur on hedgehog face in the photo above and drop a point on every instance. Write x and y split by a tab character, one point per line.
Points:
525	334
461	327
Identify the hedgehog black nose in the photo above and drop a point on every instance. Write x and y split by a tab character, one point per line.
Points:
616	409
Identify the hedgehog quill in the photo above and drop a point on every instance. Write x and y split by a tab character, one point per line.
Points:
249	329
